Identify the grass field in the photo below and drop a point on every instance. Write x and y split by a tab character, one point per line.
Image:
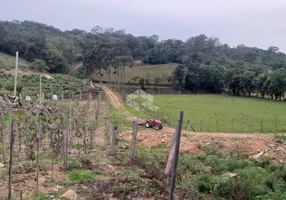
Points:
145	71
8	62
214	113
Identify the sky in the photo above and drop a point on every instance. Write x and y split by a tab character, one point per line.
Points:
259	23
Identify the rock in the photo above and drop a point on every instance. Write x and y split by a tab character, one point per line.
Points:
230	175
69	195
271	146
125	146
2	165
257	156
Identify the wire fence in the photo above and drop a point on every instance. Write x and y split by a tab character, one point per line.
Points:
221	125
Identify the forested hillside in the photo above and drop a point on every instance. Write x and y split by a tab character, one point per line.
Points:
204	63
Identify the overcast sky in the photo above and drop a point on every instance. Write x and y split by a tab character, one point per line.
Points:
260	23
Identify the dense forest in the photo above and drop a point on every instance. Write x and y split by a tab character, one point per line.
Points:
204	63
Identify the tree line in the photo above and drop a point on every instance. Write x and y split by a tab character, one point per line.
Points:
204	63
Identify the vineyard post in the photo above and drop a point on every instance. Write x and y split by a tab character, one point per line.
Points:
2	138
176	156
70	123
261	126
201	126
133	144
62	95
16	70
247	124
216	125
40	95
171	153
38	151
112	141
11	157
232	130
53	148
67	140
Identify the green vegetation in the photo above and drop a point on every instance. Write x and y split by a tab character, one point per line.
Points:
117	117
246	113
217	176
8	62
30	84
81	176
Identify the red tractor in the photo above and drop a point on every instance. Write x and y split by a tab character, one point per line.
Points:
152	123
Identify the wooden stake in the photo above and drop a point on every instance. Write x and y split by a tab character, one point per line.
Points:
133	144
11	157
176	156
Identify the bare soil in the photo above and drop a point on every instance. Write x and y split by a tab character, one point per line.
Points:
192	142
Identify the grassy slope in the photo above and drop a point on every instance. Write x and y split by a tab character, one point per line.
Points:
149	71
8	62
210	108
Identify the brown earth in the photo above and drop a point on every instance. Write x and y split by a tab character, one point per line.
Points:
193	142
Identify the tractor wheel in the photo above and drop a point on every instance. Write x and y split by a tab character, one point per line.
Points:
147	125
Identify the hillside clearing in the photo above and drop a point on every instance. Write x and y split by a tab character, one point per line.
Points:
148	72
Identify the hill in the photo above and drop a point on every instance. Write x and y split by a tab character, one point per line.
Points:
58	49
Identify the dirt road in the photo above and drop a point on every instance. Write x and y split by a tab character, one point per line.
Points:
192	142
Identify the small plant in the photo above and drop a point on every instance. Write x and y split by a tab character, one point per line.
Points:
80	176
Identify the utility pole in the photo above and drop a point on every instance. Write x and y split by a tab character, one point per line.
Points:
16	70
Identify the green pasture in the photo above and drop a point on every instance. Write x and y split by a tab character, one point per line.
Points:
221	113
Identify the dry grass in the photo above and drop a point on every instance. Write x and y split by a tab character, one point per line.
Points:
145	71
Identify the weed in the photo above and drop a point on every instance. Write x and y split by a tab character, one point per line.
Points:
81	176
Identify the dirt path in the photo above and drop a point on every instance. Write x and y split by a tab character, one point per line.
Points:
73	68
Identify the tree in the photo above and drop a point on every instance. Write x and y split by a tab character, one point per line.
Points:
39	65
277	84
247	81
179	76
157	80
212	77
273	49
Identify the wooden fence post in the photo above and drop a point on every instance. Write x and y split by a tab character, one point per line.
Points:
133	144
187	125
113	138
176	156
11	157
67	140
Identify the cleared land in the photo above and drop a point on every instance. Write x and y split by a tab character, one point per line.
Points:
145	71
246	113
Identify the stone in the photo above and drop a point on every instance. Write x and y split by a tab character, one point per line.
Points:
2	165
230	175
69	195
271	146
125	146
257	156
